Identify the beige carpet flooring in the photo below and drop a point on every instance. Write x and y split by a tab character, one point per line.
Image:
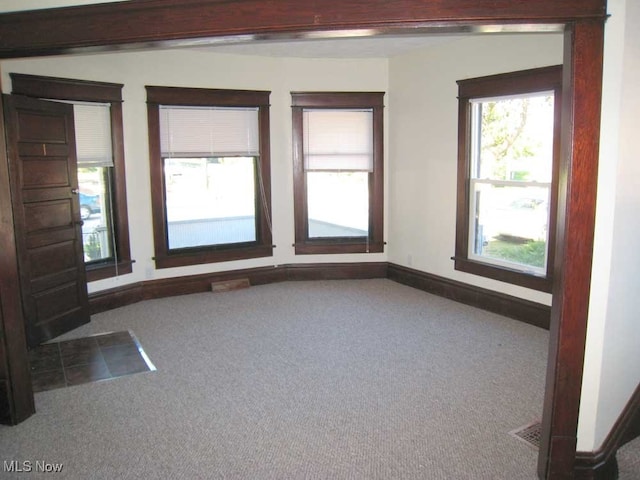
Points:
349	379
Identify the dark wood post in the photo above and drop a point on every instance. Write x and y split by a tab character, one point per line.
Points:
582	88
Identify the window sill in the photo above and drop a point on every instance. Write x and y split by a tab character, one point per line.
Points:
333	246
108	270
186	258
515	277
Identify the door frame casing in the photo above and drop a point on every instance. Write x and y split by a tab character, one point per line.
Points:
104	27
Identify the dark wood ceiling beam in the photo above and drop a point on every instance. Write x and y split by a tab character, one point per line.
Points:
145	22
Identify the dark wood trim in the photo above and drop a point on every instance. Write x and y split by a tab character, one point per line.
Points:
120	296
503	274
629	420
337	99
262	247
199	256
207	96
513	307
166	22
336	271
108	270
55	88
14	363
602	464
335	245
513	83
116	297
582	94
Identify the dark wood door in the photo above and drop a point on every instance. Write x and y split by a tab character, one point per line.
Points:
44	193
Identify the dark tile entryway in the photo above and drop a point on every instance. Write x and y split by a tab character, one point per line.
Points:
84	360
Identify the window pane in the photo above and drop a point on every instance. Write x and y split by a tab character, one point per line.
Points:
338	204
210	201
510	225
513	138
95	204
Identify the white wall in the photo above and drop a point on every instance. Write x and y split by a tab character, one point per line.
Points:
612	363
423	123
190	68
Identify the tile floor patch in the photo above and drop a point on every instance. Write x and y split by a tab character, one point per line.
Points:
85	360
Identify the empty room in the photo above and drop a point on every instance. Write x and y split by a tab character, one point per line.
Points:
247	239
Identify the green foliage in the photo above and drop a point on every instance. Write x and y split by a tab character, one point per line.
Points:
508	139
92	246
527	253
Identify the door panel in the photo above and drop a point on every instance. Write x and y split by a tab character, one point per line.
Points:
38	127
42	164
51	172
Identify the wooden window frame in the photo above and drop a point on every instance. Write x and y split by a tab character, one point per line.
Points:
374	243
514	83
54	88
205	97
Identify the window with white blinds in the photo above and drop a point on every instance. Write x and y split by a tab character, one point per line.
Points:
188	132
210	174
338	140
93	134
338	173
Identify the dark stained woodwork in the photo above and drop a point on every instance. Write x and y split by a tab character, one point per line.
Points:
262	247
514	83
16	393
332	245
158	22
513	307
55	88
602	464
46	217
335	271
582	89
167	22
117	297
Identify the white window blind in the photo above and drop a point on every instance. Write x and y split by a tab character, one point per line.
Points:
338	140
208	132
93	134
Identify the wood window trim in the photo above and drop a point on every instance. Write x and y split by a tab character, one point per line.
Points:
375	244
262	247
524	81
55	88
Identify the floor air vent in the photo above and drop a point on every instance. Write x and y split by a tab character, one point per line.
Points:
529	434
